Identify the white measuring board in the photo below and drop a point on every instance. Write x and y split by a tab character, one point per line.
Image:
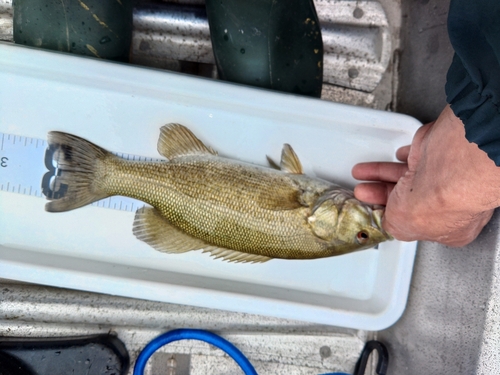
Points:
121	108
23	160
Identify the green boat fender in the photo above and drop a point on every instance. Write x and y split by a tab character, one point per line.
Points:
273	44
97	28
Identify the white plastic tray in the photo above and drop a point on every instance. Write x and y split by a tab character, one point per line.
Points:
122	108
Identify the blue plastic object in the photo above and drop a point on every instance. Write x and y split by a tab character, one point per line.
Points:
192	334
240	359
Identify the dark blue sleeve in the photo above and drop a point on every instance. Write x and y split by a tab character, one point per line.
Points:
473	81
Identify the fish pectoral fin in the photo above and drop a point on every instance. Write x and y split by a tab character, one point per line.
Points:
154	229
236	256
283	201
176	140
324	221
290	162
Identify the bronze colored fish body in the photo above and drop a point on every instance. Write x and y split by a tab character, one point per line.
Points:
234	210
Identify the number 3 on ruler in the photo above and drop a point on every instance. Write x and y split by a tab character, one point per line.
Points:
3	161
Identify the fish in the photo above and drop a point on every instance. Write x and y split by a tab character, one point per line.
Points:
198	200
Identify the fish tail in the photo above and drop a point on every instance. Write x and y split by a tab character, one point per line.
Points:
76	178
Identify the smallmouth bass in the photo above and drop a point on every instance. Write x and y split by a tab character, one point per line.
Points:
236	211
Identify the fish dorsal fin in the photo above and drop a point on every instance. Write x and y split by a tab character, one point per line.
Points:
272	163
154	229
236	256
177	140
290	163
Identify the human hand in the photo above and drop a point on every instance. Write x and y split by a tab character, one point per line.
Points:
444	189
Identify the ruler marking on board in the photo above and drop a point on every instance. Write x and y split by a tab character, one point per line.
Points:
23	170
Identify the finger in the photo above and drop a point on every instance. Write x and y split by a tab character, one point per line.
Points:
379	171
402	153
419	137
421	132
373	193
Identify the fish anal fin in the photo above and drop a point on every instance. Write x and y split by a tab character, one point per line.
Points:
290	162
176	140
236	256
154	229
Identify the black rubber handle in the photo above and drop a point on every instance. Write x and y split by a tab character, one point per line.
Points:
89	355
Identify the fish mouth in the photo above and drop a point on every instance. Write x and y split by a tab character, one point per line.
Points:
377	215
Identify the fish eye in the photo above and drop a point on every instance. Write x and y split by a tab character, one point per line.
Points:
362	237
